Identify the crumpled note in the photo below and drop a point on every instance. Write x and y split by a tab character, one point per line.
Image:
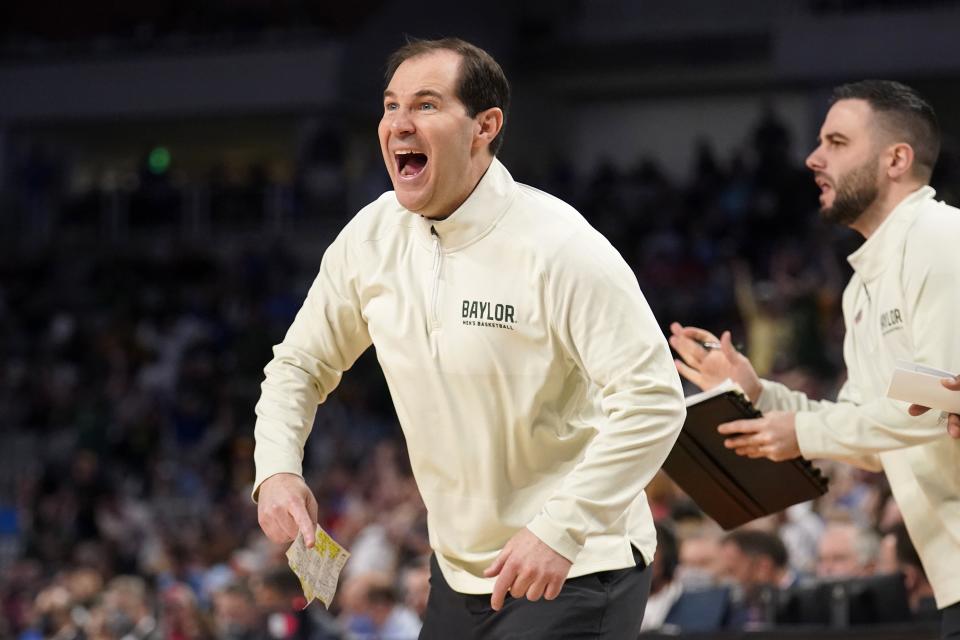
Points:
317	567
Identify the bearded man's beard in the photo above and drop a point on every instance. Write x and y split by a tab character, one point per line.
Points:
854	193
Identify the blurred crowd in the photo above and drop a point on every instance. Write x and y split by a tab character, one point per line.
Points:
128	375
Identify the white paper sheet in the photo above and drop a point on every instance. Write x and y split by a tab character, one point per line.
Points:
920	384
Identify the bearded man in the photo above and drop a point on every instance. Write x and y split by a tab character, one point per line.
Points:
877	149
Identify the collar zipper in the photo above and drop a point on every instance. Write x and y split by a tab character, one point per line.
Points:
435	291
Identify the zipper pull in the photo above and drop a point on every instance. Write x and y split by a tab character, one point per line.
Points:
436	247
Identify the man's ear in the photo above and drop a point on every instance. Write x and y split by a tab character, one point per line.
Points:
899	159
488	125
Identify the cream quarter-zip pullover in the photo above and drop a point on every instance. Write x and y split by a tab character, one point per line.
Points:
532	383
902	303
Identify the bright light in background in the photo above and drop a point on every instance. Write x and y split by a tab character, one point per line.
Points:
158	161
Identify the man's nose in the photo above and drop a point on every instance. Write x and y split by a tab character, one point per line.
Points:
402	123
814	161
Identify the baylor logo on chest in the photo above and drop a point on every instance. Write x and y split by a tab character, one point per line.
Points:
479	313
890	321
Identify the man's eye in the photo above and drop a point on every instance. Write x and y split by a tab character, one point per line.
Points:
427	106
390	106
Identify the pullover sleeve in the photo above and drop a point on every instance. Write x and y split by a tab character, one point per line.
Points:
327	336
608	331
931	299
778	397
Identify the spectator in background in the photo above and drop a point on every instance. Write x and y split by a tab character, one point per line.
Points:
754	558
677	606
128	611
897	554
371	610
756	563
53	616
847	550
181	615
235	613
415	582
664	589
280	604
700	560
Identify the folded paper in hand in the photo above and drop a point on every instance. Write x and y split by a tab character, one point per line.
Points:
729	488
318	567
920	384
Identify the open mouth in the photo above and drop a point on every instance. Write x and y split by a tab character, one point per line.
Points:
824	184
410	163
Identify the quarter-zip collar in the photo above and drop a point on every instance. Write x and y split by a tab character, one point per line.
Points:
872	257
478	214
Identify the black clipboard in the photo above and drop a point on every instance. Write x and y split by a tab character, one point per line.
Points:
733	489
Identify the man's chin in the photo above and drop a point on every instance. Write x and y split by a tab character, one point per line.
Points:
409	201
844	217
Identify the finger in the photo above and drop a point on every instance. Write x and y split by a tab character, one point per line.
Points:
501	586
726	346
307	527
740	426
691	352
951	383
536	589
745	441
553	589
696	334
689	373
689	343
953	427
521	584
497	565
917	409
279	526
273	532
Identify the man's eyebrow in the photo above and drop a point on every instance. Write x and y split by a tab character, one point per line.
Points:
834	136
422	93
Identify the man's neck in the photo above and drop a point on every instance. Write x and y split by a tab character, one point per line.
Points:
881	208
477	170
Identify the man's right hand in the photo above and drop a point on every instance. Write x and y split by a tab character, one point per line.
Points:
707	368
285	506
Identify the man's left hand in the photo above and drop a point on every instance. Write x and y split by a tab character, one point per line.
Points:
773	436
953	421
527	567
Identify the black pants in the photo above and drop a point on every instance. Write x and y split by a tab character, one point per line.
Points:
608	604
950	628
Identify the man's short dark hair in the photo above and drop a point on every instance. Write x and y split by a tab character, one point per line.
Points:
903	114
755	543
481	85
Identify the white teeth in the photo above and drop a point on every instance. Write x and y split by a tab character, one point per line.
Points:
403	152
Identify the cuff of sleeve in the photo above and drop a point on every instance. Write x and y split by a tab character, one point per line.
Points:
810	435
555	537
266	471
766	402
